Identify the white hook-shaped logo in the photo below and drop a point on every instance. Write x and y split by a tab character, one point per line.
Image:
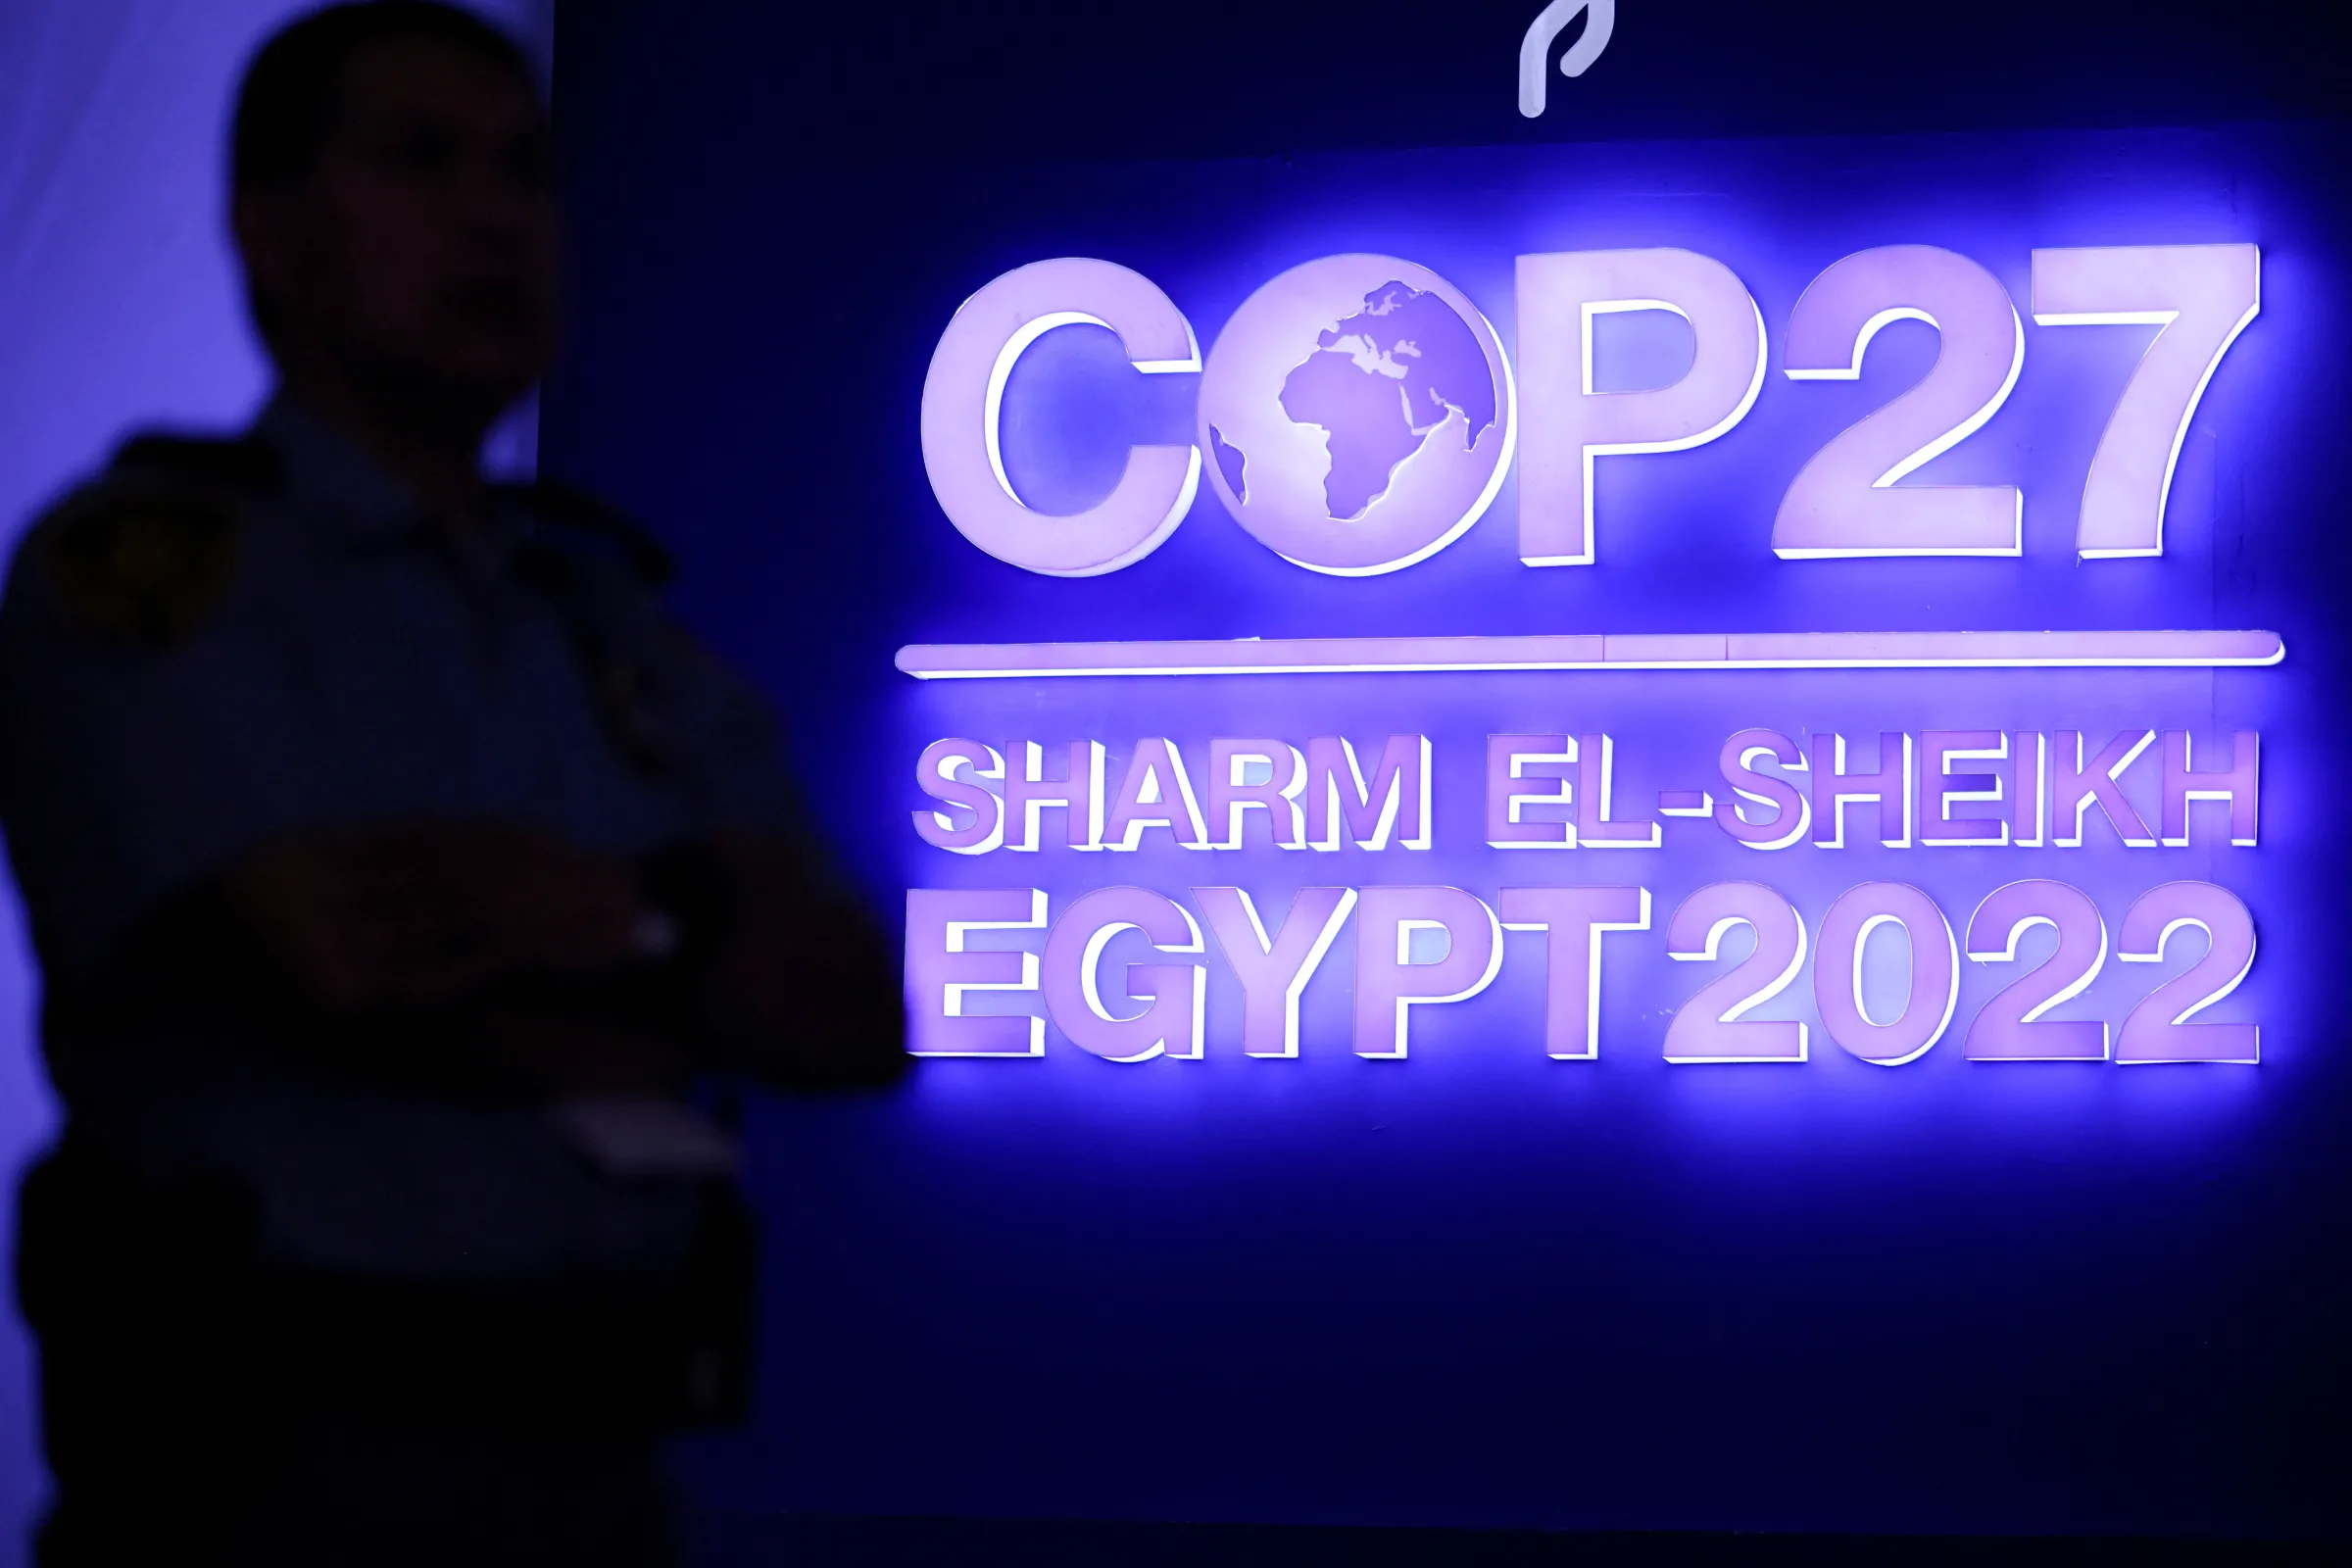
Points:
1600	21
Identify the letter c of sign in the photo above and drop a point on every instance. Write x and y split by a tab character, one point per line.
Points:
963	397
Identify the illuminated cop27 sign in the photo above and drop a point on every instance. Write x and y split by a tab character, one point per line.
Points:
1358	416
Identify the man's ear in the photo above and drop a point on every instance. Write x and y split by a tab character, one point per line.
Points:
283	239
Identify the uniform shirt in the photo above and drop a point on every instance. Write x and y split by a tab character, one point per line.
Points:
326	654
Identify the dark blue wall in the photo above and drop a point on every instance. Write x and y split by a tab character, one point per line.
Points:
1360	1308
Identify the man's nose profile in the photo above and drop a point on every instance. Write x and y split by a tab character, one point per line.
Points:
402	877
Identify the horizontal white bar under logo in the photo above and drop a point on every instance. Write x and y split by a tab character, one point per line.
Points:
1801	650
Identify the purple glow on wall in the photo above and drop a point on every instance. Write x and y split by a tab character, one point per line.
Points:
1897	752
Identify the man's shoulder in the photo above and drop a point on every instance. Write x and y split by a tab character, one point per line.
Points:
143	550
583	524
243	463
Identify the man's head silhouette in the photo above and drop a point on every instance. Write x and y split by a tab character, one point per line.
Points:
390	200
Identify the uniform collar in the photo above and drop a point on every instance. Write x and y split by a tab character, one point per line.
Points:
346	491
334	480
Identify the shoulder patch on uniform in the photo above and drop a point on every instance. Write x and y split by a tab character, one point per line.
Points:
237	462
569	508
143	562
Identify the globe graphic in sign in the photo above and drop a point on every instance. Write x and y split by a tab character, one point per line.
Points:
1356	414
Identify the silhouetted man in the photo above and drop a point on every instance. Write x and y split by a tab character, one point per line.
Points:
397	870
